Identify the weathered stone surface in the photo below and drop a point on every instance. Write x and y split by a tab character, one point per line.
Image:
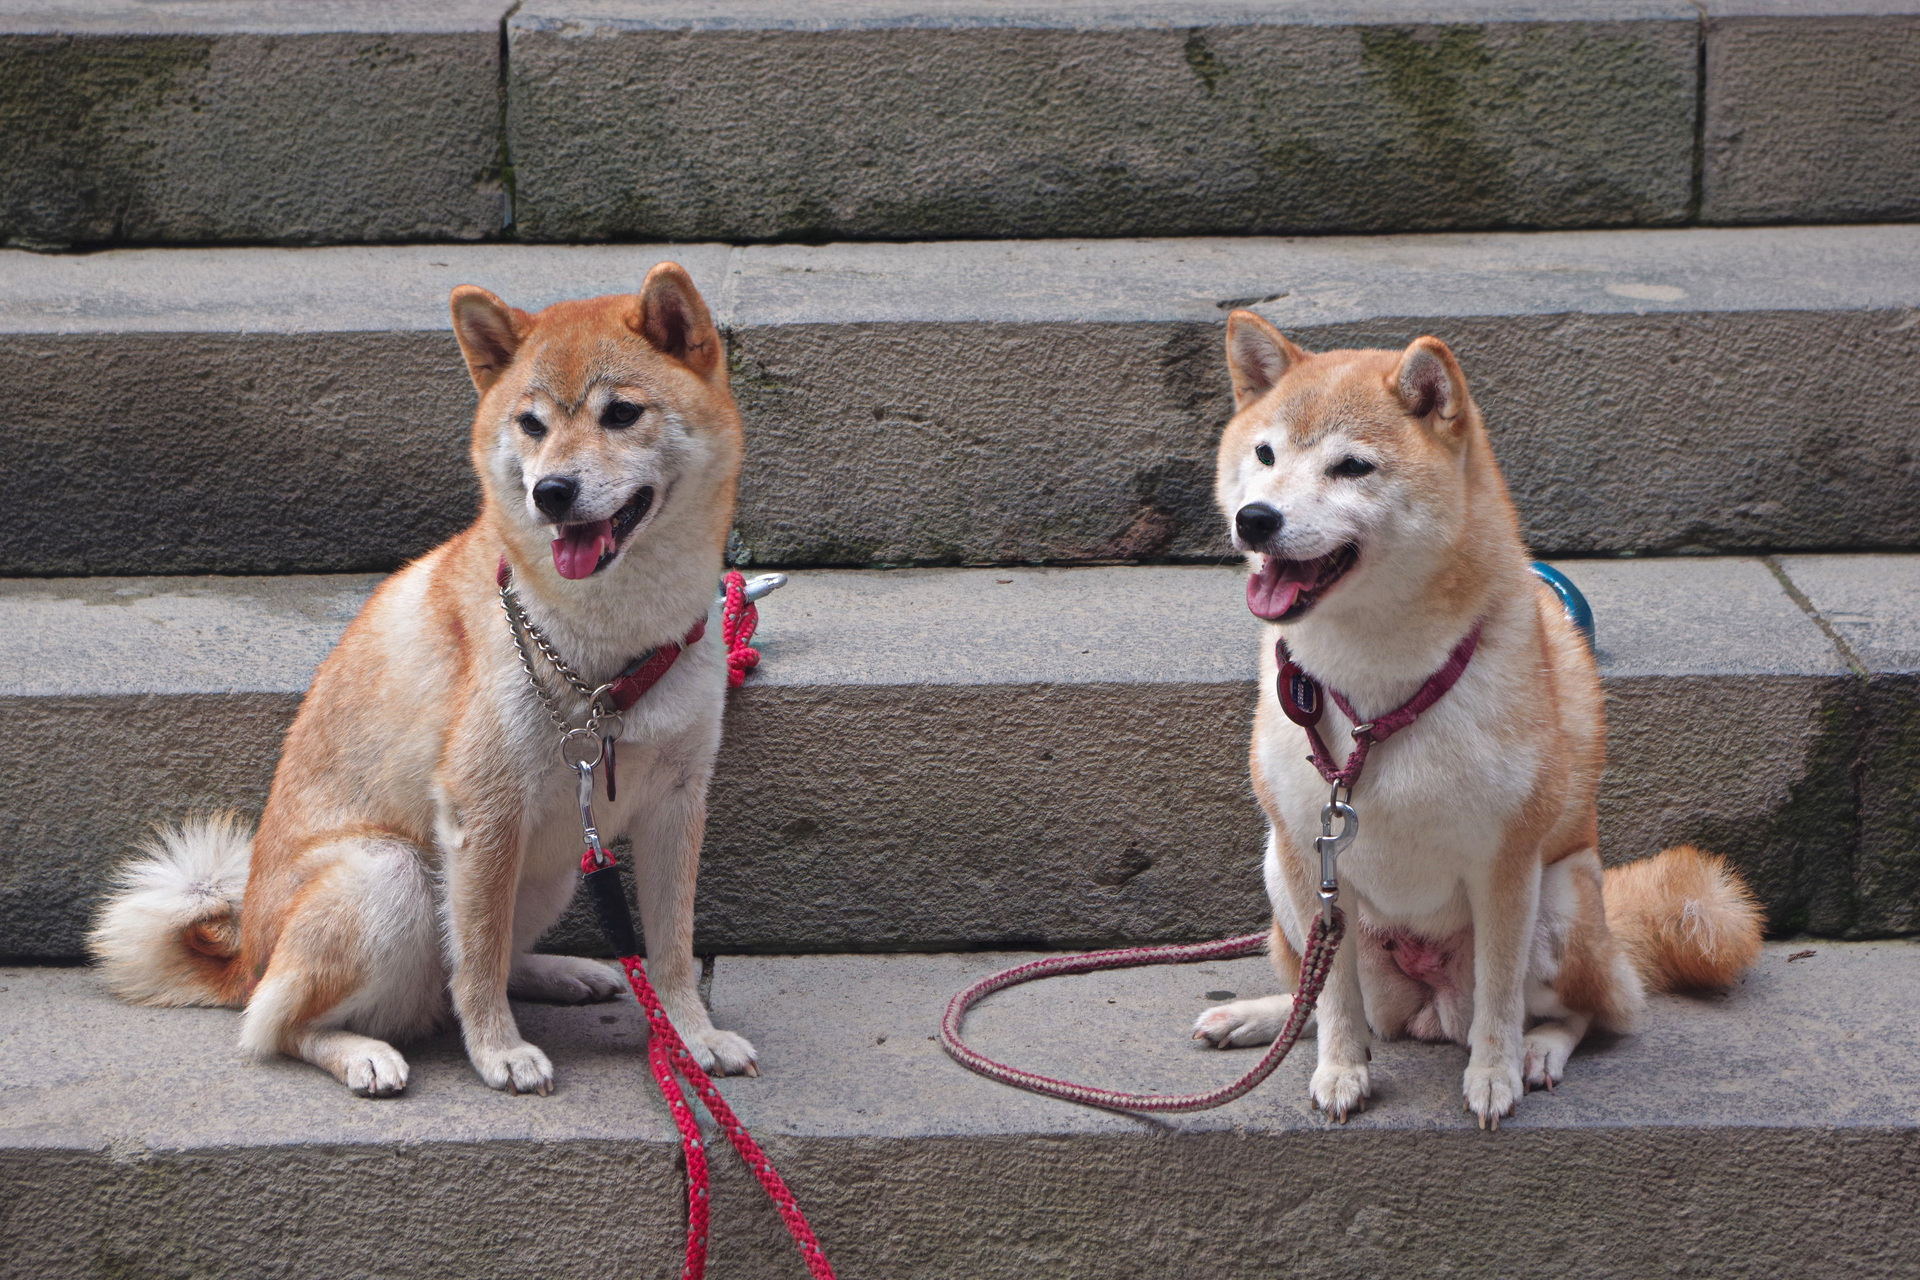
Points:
931	759
1735	1133
1873	605
866	120
191	122
1810	111
306	411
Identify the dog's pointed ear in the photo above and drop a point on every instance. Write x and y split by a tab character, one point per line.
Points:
1257	356
673	318
489	331
1430	385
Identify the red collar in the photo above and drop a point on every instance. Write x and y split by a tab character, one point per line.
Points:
643	672
1300	698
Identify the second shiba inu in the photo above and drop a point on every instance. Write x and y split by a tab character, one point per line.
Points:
1384	547
422	831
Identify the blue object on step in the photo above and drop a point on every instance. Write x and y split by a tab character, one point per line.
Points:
1579	612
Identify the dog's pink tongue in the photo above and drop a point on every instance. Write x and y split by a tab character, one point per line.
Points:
1274	587
576	552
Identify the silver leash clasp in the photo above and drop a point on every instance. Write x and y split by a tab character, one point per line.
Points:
1329	844
596	852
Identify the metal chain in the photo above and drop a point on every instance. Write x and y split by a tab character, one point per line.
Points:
518	622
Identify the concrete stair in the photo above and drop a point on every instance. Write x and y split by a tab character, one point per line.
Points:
930	759
1768	1133
1055	401
190	121
1005	699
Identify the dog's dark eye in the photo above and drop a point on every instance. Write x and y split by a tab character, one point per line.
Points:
532	425
1351	467
1264	453
619	413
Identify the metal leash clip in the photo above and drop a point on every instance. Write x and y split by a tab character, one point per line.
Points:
1330	845
583	766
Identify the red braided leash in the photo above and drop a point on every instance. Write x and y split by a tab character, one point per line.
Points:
1315	964
668	1056
739	617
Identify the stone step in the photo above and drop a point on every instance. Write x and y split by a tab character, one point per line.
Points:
932	759
211	121
274	410
198	121
1769	1132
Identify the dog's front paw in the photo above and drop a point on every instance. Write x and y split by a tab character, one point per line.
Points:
1492	1092
1340	1090
517	1068
563	980
722	1053
1244	1022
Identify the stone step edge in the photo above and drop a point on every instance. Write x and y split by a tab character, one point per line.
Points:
908	1165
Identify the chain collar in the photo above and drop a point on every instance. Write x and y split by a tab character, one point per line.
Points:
573	738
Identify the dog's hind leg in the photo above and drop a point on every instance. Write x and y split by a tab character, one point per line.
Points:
554	979
1548	1046
1259	1021
356	963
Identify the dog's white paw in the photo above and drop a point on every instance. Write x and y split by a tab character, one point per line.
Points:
375	1072
1492	1092
517	1068
1340	1090
564	980
1243	1022
722	1053
1547	1047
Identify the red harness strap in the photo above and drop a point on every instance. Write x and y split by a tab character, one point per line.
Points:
1300	698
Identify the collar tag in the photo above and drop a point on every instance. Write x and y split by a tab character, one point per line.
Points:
1300	695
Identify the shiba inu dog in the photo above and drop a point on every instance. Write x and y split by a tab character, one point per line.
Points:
1362	486
422	831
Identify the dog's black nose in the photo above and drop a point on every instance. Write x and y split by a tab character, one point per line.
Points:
554	496
1256	523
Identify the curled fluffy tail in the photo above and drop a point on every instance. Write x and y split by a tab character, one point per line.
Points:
170	934
1686	918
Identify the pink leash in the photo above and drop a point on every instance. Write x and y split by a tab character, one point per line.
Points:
1315	965
1301	698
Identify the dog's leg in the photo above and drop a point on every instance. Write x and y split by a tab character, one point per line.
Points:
371	1068
481	846
1341	1082
1505	903
666	847
1548	1046
358	950
554	979
563	979
1259	1021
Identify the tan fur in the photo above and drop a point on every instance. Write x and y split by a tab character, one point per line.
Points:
1475	879
421	833
1686	918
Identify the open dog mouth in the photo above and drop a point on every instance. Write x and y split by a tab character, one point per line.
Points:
1283	589
584	549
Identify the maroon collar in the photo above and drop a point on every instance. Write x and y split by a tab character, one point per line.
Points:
643	672
1300	698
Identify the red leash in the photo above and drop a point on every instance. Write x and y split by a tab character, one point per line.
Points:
667	1053
668	1056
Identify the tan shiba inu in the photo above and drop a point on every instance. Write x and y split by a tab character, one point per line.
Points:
1362	486
422	831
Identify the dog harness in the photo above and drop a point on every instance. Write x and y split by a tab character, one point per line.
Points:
584	748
